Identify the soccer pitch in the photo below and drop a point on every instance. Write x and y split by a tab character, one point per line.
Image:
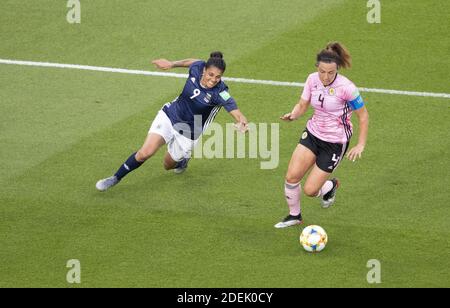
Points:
61	130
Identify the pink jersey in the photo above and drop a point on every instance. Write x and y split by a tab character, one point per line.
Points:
333	106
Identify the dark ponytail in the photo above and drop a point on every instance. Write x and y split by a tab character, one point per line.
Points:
216	60
335	52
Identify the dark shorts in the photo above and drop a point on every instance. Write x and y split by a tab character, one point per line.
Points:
328	154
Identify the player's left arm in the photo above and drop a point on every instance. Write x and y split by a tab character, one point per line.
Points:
363	117
225	100
241	120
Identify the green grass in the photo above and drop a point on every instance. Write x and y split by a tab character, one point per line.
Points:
62	130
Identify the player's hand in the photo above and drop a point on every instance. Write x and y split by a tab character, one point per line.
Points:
287	117
355	152
163	64
242	125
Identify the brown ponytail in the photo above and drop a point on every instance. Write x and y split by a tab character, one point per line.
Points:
335	52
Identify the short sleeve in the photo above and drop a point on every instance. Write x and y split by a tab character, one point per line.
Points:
306	95
352	96
226	100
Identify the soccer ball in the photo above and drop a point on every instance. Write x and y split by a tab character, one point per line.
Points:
313	238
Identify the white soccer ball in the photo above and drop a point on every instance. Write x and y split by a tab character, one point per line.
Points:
313	238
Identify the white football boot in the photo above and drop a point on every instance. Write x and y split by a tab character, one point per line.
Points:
105	184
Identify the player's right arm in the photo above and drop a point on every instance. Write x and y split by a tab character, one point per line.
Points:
302	105
165	64
298	111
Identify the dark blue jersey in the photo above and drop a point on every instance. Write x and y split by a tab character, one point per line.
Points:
197	106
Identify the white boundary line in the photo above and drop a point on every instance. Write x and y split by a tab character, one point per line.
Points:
239	80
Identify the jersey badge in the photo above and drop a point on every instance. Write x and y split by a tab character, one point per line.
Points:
225	95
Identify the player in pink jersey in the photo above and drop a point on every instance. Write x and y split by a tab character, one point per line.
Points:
325	140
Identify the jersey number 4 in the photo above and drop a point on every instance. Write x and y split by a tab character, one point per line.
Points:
321	99
335	159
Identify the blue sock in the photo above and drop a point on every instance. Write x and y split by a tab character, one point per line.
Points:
130	165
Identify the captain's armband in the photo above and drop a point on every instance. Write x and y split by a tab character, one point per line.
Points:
357	103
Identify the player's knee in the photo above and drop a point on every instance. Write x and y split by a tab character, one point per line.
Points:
169	163
144	154
310	191
292	179
168	166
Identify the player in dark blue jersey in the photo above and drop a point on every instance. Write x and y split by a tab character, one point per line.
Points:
179	124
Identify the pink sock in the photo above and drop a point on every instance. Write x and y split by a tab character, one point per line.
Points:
292	193
325	188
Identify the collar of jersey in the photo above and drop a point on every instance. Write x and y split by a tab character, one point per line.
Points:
335	77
